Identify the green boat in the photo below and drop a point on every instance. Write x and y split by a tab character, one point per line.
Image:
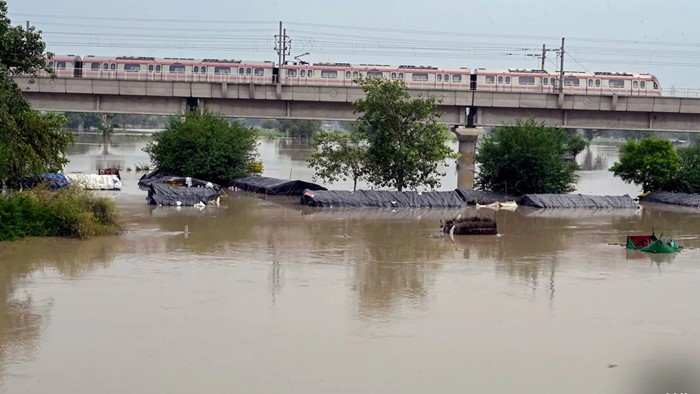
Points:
651	244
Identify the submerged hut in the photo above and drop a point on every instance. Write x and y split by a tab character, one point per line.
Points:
474	225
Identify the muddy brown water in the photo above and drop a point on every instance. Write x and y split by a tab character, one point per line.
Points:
264	296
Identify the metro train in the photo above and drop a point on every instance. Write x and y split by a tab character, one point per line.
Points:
344	74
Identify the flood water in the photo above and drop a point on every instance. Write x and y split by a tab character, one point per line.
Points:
264	296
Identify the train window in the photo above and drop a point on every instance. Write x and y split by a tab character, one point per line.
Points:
656	86
329	74
60	65
490	79
642	84
597	83
259	72
419	77
447	78
439	77
401	76
507	80
456	78
590	83
500	80
355	74
635	84
113	66
310	73
105	66
177	69
94	66
302	73
374	74
203	69
248	71
241	71
158	68
616	83
393	75
291	72
572	82
545	81
132	68
195	69
348	75
526	80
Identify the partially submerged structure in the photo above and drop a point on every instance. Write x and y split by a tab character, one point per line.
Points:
474	225
651	244
274	186
684	199
382	199
164	194
576	201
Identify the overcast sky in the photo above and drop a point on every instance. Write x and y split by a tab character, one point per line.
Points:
657	37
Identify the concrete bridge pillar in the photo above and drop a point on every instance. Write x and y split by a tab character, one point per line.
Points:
466	136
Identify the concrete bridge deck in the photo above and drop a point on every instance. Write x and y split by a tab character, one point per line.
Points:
474	108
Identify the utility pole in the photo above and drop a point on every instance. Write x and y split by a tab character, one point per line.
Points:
561	69
283	46
544	56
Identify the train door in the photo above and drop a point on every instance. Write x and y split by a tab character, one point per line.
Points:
635	88
77	68
643	88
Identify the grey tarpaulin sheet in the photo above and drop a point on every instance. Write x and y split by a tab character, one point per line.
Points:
473	197
684	199
274	186
163	194
575	201
155	177
382	199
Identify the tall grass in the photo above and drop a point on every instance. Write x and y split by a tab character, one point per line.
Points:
69	212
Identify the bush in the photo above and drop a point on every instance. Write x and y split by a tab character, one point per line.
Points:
69	212
205	146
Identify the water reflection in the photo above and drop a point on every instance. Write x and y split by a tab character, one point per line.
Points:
22	317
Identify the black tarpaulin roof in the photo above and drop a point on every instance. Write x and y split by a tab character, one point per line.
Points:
382	199
684	199
163	194
575	201
274	186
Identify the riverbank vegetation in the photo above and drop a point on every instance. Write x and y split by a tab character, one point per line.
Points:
205	145
69	212
528	157
655	164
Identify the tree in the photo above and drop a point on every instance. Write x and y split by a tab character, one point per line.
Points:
406	143
687	180
269	124
21	50
575	143
204	145
651	163
525	157
299	128
30	142
339	157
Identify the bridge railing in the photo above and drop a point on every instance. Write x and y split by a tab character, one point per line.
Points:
681	92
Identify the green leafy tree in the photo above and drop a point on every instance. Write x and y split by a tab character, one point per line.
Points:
206	146
269	124
525	157
575	143
339	157
688	178
651	163
30	142
299	128
21	50
406	142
